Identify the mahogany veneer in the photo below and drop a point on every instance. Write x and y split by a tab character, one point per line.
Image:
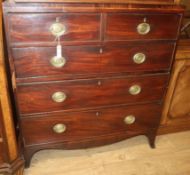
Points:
89	124
83	94
88	59
79	27
107	94
162	26
108	1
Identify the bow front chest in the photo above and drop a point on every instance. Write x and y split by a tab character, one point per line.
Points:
88	74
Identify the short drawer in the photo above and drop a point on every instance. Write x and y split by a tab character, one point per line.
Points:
27	27
126	26
61	127
131	57
89	93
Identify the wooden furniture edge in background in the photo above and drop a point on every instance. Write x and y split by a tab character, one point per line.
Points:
14	162
178	124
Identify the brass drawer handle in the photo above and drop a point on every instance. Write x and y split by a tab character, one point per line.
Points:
57	29
58	62
143	28
59	97
139	58
130	119
135	90
59	128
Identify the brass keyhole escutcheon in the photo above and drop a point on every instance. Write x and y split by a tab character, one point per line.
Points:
101	50
59	97
58	62
59	128
135	90
139	58
97	114
143	28
99	83
57	29
130	119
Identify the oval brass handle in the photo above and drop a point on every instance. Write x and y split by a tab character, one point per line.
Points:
59	97
143	28
135	90
139	58
58	62
59	128
57	29
130	119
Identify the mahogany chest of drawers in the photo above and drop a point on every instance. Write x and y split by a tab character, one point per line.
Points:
108	83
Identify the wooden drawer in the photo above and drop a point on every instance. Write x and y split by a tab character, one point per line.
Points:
123	26
36	27
87	125
33	61
80	94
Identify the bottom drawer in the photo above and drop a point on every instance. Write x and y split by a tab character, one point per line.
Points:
73	127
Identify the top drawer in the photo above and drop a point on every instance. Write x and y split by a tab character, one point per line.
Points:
124	26
36	27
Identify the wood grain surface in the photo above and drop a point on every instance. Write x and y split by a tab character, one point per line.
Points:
81	94
108	1
36	27
82	60
86	125
124	26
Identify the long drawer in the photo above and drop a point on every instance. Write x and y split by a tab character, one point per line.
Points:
28	27
60	127
124	26
131	57
89	93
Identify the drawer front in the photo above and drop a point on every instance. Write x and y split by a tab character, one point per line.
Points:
30	62
126	26
36	27
80	94
83	125
33	61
